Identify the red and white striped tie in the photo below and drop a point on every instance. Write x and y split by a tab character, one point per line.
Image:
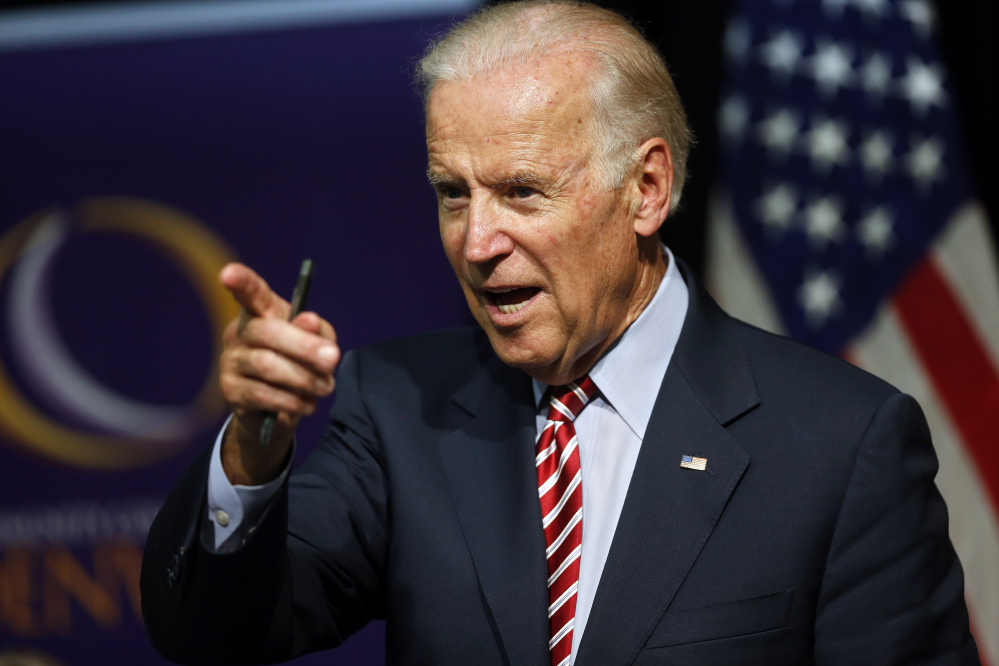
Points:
560	488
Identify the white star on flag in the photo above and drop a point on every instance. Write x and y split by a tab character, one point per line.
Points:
925	162
824	222
875	75
875	154
831	67
872	9
826	143
922	85
875	231
733	117
921	14
819	297
779	132
782	54
776	208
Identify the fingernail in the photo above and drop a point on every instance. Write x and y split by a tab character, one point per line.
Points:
322	384
327	353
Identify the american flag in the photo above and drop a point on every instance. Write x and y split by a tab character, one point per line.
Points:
693	462
845	220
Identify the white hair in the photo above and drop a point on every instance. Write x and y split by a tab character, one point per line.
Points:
632	95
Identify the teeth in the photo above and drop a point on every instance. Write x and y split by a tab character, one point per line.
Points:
502	291
510	309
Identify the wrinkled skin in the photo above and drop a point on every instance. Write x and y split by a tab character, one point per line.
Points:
523	206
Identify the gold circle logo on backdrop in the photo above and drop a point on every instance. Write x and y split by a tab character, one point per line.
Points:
125	432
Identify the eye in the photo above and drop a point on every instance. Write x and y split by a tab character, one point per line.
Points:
523	192
450	192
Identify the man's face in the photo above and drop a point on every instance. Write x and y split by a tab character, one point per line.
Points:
546	254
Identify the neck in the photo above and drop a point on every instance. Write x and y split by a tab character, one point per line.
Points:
651	271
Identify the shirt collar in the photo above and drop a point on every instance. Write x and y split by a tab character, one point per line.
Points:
630	373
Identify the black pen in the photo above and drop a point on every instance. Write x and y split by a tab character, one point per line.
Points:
297	305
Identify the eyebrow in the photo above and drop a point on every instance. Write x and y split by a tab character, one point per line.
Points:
521	179
440	179
528	178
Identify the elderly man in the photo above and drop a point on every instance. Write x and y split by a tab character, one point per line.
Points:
614	473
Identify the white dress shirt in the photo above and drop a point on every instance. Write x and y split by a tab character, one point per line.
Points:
610	431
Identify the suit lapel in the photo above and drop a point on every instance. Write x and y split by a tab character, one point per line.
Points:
670	511
490	470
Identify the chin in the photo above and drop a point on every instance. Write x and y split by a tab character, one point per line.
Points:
515	355
534	359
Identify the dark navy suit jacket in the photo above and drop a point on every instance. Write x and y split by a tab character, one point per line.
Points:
816	534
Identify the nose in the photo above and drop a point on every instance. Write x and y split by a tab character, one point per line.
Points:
486	238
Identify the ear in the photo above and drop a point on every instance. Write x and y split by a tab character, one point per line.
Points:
654	185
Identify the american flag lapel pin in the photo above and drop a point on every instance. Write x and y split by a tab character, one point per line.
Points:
693	462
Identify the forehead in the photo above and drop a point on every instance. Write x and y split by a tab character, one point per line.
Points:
539	109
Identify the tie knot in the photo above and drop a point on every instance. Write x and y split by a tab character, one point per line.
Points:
569	400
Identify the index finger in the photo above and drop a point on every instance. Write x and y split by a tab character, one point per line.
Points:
252	292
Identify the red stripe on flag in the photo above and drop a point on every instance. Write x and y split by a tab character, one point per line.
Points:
982	656
958	363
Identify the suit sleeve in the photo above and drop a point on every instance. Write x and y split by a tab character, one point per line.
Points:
306	578
893	589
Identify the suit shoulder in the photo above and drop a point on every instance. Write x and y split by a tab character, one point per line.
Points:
780	361
815	409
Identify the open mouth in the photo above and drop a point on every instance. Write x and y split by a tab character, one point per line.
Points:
512	299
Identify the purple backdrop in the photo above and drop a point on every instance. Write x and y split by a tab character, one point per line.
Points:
269	147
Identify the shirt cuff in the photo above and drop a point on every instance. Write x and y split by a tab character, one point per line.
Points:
234	511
